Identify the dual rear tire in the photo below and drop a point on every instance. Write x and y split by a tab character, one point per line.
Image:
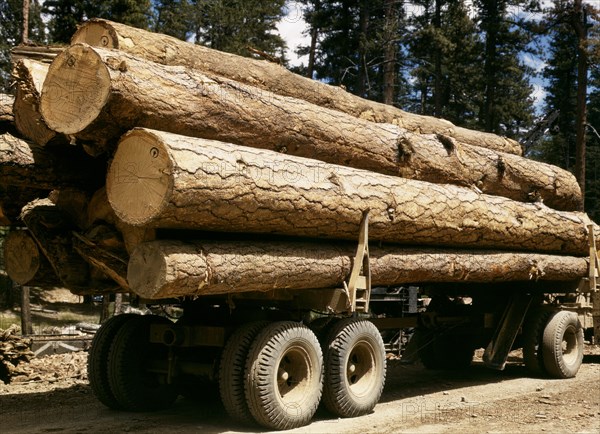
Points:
287	372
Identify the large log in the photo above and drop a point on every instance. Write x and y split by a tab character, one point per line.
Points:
29	78
24	263
165	180
6	105
96	94
164	269
273	78
53	234
24	164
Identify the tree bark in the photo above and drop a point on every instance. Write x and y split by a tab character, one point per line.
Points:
580	26
6	108
164	269
53	234
24	164
29	78
25	28
390	32
116	91
164	180
273	78
24	263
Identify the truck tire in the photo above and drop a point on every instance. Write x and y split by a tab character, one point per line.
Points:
232	371
563	345
134	388
533	333
355	367
98	361
284	376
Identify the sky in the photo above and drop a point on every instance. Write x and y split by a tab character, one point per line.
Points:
293	30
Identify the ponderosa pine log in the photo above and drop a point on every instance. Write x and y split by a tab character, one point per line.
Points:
160	179
96	94
164	269
29	78
6	106
53	234
273	78
24	164
24	263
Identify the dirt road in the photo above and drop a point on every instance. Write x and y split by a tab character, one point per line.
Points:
415	400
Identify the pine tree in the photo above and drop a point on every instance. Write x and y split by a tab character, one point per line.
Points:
136	13
238	26
11	16
173	18
64	17
506	105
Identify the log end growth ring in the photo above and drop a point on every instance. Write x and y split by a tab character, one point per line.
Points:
138	182
75	91
97	33
146	270
21	257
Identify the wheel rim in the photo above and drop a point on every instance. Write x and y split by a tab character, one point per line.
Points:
294	376
569	345
361	370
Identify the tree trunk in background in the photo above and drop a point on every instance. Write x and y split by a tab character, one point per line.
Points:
581	29
273	78
437	75
186	102
390	32
25	34
26	325
165	180
314	36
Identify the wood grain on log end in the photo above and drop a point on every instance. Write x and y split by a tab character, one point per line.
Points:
141	168
76	89
22	257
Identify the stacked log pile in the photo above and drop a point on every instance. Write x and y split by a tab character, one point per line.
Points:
14	350
224	147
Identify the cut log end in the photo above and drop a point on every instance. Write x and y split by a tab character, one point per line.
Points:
97	33
22	257
76	89
141	168
148	257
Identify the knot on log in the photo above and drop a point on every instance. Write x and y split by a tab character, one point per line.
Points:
501	165
405	148
535	272
447	142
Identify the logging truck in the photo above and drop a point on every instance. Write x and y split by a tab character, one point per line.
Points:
292	224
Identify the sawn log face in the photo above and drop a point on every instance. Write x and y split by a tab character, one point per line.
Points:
119	91
164	180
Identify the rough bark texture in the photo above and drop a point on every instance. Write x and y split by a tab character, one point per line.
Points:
163	269
52	232
24	164
164	180
274	78
29	78
116	91
24	263
6	108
